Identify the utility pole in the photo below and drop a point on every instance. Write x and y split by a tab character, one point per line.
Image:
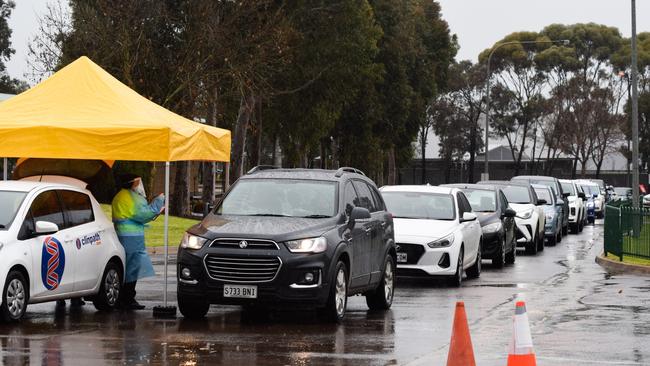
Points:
635	115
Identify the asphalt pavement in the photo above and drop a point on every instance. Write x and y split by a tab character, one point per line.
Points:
579	315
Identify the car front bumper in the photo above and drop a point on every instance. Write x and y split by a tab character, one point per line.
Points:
524	230
423	260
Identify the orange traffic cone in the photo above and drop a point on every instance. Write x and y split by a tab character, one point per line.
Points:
461	352
520	351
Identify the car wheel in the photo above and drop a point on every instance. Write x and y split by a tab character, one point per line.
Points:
559	236
512	255
337	301
475	270
382	297
565	230
193	307
552	241
15	296
531	246
457	279
581	226
109	289
540	243
499	258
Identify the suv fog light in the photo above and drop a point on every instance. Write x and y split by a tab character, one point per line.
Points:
186	273
309	277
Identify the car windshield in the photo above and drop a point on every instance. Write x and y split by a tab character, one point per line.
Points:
10	202
420	205
544	194
591	190
623	191
280	197
481	200
516	194
568	188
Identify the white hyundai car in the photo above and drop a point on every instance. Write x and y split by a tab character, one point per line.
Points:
436	232
577	209
55	243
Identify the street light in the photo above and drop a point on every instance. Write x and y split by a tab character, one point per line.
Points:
486	175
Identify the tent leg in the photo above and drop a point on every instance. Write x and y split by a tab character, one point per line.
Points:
165	311
227	176
4	173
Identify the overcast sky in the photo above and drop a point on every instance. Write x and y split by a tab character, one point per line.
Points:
478	23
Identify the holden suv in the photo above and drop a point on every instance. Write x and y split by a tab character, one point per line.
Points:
290	238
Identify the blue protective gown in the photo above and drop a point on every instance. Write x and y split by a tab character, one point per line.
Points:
130	214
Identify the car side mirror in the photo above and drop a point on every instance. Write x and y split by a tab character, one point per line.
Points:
566	194
468	216
45	228
582	195
559	202
358	213
509	212
541	201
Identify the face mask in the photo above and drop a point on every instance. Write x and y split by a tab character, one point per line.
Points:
139	189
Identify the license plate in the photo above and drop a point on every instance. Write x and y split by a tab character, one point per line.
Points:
240	291
401	257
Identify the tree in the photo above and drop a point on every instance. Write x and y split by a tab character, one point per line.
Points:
451	125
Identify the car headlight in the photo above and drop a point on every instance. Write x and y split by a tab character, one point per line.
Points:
526	214
311	245
192	241
442	242
492	228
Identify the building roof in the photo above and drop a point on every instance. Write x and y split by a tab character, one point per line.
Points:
501	153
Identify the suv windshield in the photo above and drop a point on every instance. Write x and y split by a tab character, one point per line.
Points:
10	202
481	200
280	197
568	188
418	205
544	194
516	194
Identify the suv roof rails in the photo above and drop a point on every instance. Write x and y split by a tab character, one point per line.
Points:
259	168
347	169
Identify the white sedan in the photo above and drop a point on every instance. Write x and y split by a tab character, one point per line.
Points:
436	232
55	243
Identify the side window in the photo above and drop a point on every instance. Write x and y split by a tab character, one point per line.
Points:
379	202
504	201
78	208
365	197
468	206
463	205
46	207
350	199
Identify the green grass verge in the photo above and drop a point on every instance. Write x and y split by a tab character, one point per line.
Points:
155	230
630	259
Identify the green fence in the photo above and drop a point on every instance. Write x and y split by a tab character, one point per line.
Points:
627	231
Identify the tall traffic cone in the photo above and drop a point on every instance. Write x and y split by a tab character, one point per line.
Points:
461	352
520	351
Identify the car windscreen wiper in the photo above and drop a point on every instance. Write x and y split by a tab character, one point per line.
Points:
316	217
268	215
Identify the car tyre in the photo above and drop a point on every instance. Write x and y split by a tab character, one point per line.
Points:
559	236
499	258
565	230
531	247
382	297
552	241
475	270
540	243
457	278
109	288
193	307
512	255
15	296
337	301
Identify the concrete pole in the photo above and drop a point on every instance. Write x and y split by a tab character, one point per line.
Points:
635	115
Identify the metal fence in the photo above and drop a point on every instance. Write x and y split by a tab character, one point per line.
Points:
627	230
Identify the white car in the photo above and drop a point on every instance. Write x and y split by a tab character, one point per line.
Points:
597	196
436	232
55	243
577	209
530	219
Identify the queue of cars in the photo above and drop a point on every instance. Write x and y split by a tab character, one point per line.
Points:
297	238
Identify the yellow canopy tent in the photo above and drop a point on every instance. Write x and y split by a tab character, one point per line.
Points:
83	112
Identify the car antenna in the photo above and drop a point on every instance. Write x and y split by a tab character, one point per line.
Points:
42	172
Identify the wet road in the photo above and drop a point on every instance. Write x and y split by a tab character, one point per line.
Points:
579	316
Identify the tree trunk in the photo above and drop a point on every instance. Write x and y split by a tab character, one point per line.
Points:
423	146
392	173
277	153
574	168
472	154
179	202
246	106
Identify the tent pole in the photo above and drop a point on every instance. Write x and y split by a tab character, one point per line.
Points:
227	177
4	173
166	234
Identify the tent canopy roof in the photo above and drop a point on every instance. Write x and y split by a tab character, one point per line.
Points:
83	112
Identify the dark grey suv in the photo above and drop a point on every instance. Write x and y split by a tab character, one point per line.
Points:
291	238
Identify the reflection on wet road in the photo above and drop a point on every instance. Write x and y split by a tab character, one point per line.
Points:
579	316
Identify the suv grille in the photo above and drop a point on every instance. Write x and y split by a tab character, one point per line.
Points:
242	269
244	244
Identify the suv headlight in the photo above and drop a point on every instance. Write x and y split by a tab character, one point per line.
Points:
442	242
311	245
492	228
526	214
192	241
550	216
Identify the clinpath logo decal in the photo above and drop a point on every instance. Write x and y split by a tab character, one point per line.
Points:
94	239
52	263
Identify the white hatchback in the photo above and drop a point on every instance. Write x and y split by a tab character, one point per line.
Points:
436	232
55	243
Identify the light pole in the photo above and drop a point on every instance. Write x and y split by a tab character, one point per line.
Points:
486	175
635	115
